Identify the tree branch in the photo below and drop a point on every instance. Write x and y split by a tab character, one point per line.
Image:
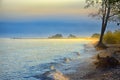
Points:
114	14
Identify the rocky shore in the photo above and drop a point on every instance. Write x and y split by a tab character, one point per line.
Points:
107	67
105	72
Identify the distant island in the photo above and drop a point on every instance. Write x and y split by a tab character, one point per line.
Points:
60	36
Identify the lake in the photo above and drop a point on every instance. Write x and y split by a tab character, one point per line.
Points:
20	59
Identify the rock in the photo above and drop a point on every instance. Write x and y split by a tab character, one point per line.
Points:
78	54
113	62
53	75
52	67
43	76
116	52
57	76
106	62
66	60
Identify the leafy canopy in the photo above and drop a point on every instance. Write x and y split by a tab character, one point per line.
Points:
103	6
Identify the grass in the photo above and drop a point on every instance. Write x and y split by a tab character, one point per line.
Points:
112	37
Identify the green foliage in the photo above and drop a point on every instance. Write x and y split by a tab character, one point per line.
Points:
113	1
103	6
117	36
56	36
71	36
96	35
112	37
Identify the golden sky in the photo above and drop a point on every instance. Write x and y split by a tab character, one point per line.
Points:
44	7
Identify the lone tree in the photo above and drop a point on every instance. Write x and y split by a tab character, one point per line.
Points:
108	10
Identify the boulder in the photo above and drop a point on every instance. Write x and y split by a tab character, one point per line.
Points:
57	76
52	75
106	62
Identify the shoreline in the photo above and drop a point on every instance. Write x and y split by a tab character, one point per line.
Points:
75	70
92	40
86	67
93	73
48	38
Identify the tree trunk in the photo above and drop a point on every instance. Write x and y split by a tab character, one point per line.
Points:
100	43
104	25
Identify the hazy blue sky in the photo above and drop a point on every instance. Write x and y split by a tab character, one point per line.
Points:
81	26
43	18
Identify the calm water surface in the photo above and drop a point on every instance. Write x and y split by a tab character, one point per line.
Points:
20	59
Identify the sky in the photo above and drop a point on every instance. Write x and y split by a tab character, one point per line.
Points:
43	18
35	8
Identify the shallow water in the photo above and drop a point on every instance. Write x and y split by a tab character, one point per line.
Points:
21	59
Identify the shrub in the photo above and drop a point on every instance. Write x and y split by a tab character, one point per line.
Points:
112	37
117	36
